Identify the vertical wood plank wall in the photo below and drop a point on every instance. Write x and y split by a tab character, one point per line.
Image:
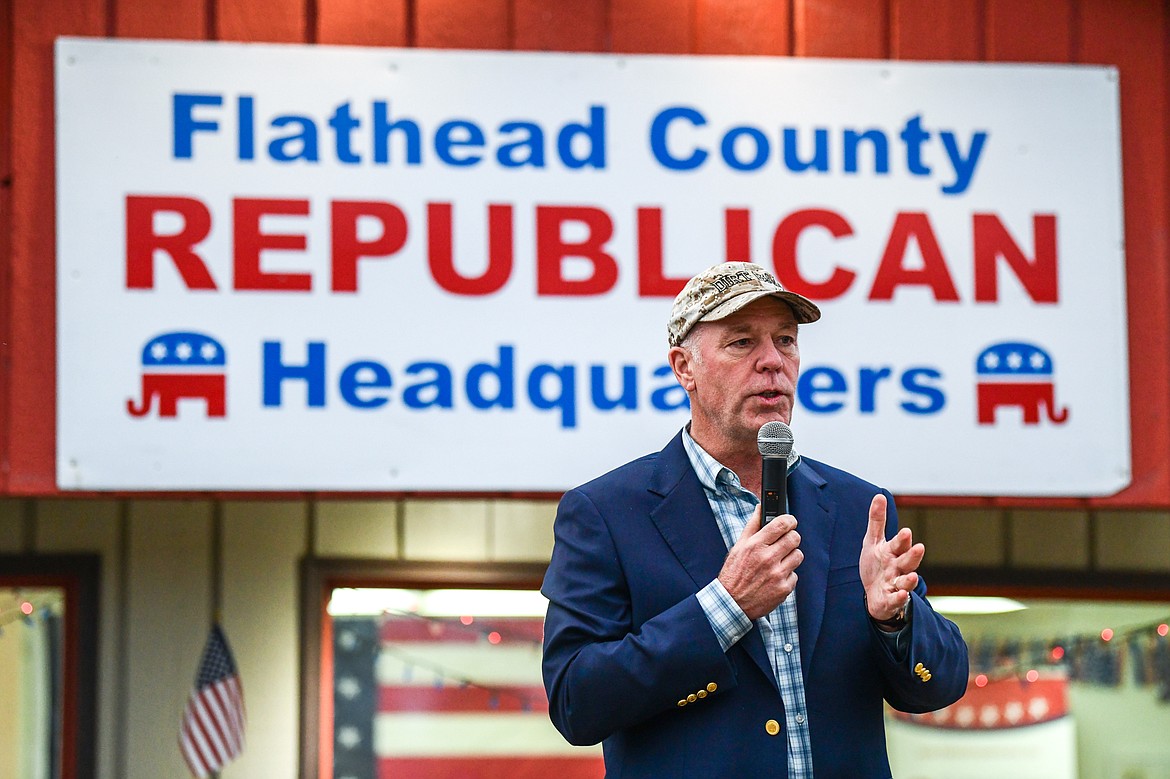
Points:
163	559
1130	34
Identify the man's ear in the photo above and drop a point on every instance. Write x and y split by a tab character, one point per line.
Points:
682	364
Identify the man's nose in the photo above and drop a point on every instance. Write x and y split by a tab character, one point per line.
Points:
770	357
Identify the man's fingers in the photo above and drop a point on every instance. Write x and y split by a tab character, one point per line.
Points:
773	531
875	533
902	570
902	542
753	523
903	582
910	559
759	572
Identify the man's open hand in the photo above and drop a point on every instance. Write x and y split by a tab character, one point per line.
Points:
889	569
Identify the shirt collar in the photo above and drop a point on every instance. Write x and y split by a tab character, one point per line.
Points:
710	471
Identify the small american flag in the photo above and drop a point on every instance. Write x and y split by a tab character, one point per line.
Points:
212	733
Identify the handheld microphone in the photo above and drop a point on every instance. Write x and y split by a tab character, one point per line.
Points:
775	444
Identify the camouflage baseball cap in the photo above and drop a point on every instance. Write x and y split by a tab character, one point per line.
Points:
723	289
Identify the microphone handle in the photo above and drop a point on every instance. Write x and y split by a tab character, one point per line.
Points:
774	488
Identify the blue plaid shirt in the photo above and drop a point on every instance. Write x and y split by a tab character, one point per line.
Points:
733	506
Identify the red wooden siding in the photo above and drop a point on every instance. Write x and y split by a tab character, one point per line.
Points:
270	21
1010	30
936	30
842	28
174	20
30	405
553	25
362	23
6	11
652	26
457	24
742	27
1132	35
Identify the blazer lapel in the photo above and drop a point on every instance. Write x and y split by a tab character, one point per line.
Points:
685	520
815	521
684	516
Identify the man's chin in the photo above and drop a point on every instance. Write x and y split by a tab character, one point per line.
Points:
780	413
761	419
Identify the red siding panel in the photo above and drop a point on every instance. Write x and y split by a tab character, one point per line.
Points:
742	27
936	30
175	19
6	22
362	23
456	24
1036	31
1133	36
653	26
554	25
841	28
32	423
271	21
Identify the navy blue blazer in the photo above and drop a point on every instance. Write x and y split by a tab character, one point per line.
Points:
631	661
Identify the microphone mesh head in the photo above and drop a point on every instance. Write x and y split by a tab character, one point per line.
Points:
775	440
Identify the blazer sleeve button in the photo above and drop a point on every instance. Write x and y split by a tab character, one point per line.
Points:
772	727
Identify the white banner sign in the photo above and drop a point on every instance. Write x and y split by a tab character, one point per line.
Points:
317	268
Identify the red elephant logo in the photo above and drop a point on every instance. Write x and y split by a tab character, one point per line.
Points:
179	366
1018	375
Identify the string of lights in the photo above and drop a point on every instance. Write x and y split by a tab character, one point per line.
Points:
489	631
26	609
1101	658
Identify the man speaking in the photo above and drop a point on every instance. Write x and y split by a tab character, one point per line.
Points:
691	639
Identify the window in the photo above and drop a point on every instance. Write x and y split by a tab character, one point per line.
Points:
435	671
1059	689
48	649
